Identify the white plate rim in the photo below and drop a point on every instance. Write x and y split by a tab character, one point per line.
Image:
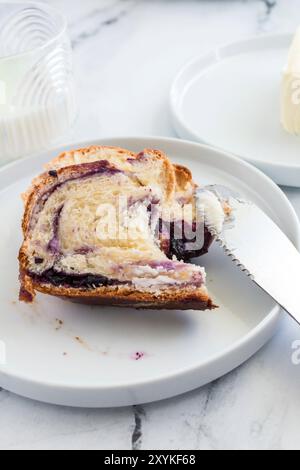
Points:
259	335
187	132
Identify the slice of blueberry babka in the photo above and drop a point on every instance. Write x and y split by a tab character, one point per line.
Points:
107	226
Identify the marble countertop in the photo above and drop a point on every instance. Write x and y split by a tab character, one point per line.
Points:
126	53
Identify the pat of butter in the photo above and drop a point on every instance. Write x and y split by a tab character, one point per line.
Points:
290	89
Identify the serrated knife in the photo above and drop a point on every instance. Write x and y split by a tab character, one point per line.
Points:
258	246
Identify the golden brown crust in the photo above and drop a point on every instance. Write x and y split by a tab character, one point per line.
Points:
183	177
72	156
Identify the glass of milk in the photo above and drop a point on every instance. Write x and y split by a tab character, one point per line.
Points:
37	105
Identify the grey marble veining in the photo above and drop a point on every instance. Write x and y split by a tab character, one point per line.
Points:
125	55
92	24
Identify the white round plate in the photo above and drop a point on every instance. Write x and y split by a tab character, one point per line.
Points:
230	99
69	354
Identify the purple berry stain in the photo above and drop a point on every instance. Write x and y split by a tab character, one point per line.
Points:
137	356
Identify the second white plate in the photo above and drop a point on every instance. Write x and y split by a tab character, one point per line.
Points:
230	99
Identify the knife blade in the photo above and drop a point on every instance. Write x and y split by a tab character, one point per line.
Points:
260	248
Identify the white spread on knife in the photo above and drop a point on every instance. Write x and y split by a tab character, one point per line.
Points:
212	210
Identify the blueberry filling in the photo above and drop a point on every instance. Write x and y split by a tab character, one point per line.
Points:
76	280
177	246
85	250
53	173
38	260
165	265
53	245
89	281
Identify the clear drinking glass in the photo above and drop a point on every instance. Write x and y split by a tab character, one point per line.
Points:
37	105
